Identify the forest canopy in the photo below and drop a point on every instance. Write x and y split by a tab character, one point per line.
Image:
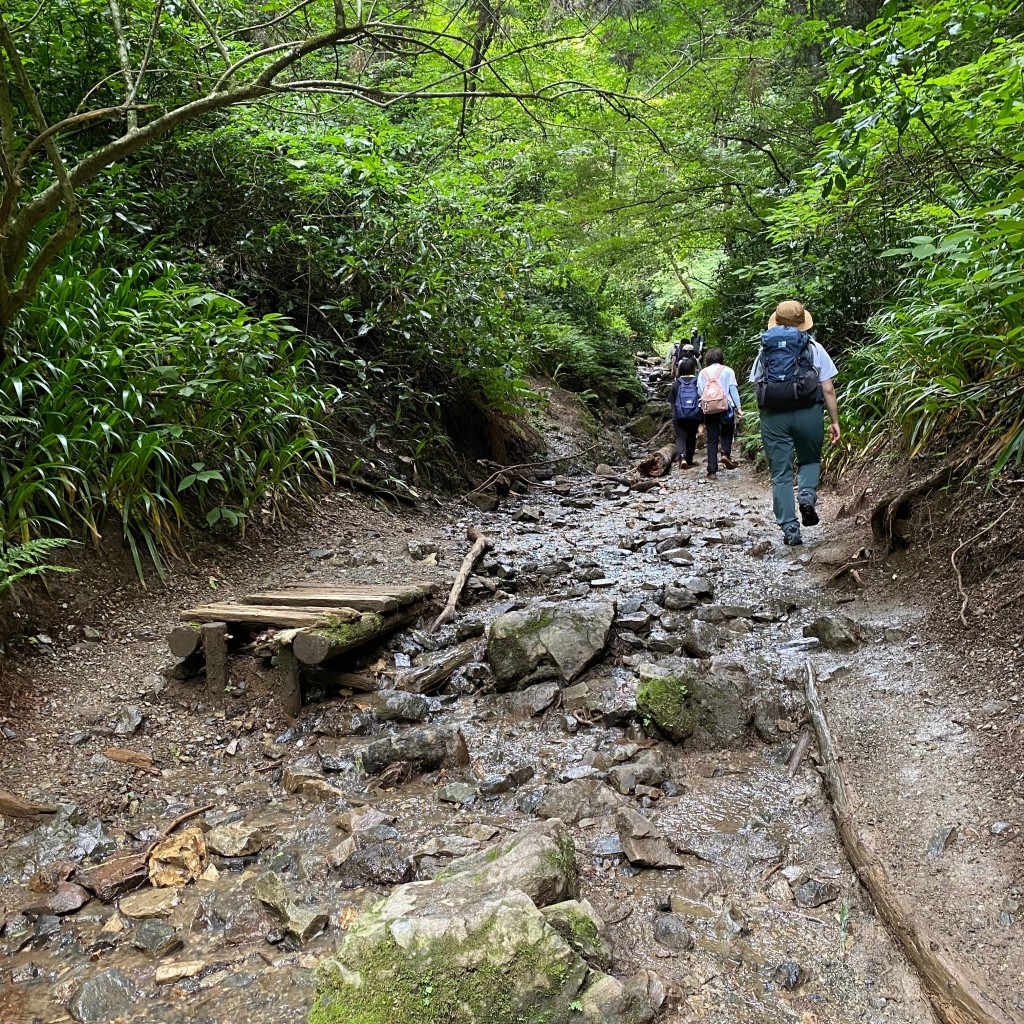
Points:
249	247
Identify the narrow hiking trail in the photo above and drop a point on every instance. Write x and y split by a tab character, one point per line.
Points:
738	896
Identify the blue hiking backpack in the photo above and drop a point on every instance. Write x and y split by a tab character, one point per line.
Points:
687	403
788	377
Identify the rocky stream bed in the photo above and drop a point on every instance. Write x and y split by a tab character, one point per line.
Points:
598	818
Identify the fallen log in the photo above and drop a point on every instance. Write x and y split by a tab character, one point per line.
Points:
481	543
657	463
14	807
437	669
957	993
321	643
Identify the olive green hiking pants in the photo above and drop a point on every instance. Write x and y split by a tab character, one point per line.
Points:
798	433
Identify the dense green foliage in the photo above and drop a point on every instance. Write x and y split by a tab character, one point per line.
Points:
353	258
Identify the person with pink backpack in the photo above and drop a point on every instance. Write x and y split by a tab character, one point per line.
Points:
720	403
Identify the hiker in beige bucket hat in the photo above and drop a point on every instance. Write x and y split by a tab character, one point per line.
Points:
793	378
791	314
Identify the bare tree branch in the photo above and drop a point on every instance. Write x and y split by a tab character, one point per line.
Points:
208	25
122	52
149	52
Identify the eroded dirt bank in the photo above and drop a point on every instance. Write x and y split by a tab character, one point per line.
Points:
749	912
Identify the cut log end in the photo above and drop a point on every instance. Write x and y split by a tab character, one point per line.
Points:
184	640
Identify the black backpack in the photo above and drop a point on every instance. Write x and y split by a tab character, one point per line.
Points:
788	377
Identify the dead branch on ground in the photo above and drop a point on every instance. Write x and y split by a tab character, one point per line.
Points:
481	543
956	993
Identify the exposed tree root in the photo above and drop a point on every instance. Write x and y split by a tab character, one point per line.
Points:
964	600
896	506
957	993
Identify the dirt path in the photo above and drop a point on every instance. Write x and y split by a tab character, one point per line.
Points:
763	922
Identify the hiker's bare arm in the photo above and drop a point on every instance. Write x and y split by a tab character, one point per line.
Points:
828	389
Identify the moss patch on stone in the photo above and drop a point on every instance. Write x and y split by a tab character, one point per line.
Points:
663	699
432	986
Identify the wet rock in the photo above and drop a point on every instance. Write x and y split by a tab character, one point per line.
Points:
235	840
609	1000
458	793
760	548
341	755
638	622
700	639
677	598
420	550
583	798
788	975
528	514
533	700
568	635
103	997
495	784
643	843
423	749
115	876
607	846
815	893
582	927
359	819
512	965
127	720
834	632
299	921
939	842
643	427
69	835
156	938
539	860
700	586
485	502
603	696
400	706
309	783
665	697
362	860
649	769
674	540
1000	828
149	903
671	932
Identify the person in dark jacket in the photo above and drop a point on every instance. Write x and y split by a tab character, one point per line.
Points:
686	414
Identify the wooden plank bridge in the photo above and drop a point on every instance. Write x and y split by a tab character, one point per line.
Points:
311	624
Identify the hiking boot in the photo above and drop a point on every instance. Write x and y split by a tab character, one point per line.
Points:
792	540
807	499
727	462
712	476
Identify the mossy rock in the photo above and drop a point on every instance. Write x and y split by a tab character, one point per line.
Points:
644	427
665	698
566	635
436	953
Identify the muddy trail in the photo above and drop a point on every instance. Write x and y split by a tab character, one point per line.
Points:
635	684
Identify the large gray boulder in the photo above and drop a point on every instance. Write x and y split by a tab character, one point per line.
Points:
564	636
580	798
472	947
539	860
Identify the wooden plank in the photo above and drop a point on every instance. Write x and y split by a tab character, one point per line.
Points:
362	597
215	645
324	599
299	617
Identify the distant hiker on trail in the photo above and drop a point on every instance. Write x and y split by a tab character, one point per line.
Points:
793	379
684	349
720	404
686	414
